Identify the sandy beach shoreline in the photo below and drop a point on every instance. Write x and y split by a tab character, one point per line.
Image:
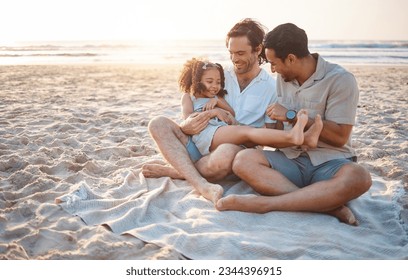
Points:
63	124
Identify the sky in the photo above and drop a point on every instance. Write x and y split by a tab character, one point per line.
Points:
54	20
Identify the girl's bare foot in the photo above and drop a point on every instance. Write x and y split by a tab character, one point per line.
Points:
296	133
313	133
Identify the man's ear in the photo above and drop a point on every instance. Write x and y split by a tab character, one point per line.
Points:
291	58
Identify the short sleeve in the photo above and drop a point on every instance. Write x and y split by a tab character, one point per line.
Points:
343	99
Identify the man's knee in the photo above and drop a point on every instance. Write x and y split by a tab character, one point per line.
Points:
242	160
223	156
157	124
357	178
365	178
227	150
218	164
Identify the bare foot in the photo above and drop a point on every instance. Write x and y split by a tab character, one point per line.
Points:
157	170
313	133
259	204
296	133
210	191
246	203
344	215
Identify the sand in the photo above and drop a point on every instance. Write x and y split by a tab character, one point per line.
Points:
62	124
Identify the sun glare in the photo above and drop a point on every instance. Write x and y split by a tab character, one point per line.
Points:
26	20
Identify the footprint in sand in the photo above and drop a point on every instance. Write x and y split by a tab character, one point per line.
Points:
62	169
81	158
12	164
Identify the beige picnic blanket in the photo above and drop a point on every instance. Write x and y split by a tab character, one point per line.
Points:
171	213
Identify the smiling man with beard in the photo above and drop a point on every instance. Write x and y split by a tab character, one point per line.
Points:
250	90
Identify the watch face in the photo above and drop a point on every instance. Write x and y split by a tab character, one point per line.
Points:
291	115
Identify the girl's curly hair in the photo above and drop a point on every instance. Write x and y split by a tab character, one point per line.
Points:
192	72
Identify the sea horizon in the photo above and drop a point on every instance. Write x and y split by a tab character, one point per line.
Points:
370	52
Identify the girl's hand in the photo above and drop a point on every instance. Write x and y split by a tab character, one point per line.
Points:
210	104
224	116
231	119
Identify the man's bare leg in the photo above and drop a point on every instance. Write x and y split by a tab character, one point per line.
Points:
162	169
218	164
327	197
263	204
171	142
213	167
267	181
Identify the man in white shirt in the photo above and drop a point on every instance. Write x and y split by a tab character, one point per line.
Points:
250	91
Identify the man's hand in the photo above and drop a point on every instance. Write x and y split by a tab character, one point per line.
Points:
276	112
195	123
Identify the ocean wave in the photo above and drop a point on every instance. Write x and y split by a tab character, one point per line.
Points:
51	54
177	52
362	45
37	48
368	59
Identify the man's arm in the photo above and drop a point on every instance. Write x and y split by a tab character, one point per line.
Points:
333	133
340	111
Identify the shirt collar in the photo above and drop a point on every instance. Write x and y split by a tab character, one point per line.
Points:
319	73
320	67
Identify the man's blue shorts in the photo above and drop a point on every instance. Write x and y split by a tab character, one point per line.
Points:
301	171
192	150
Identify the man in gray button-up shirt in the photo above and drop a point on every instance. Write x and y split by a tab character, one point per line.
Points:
323	179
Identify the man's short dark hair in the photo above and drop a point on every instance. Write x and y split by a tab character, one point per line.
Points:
287	39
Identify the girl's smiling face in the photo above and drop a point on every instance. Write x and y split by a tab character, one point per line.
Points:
211	79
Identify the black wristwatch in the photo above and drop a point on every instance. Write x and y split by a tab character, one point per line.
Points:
291	115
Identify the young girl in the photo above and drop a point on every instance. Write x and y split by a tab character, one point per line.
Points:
202	83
